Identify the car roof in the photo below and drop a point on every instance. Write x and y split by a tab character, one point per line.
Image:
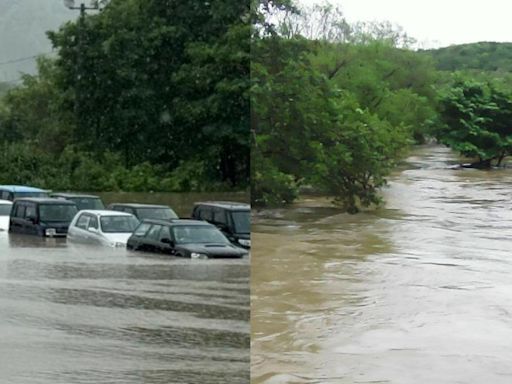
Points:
20	188
5	202
176	222
45	200
68	195
105	212
231	205
137	205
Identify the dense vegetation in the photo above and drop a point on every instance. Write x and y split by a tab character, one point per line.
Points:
335	106
146	95
475	119
335	114
483	56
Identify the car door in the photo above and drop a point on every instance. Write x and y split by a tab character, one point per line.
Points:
206	214
136	241
220	220
165	237
152	239
30	223
93	230
16	220
79	231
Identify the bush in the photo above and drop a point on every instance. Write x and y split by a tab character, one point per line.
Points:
269	186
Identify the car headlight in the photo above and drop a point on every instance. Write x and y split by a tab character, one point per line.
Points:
50	232
244	242
195	255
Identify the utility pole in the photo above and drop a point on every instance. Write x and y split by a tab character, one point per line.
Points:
79	96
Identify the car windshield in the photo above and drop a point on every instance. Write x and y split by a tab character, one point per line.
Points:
5	209
93	203
118	224
156	213
57	212
188	234
18	195
242	221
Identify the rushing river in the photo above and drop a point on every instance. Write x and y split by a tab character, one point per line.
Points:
78	314
419	291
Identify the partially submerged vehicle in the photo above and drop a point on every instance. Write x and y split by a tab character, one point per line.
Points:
11	192
82	201
145	211
5	212
184	238
45	217
233	219
109	228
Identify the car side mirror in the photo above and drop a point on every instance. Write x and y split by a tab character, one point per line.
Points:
168	241
93	230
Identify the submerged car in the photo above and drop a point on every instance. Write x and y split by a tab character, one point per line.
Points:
145	211
5	212
83	202
108	228
42	216
11	192
184	238
233	219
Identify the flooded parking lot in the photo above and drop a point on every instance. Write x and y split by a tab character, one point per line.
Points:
85	314
418	291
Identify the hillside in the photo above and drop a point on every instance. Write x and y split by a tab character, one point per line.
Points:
23	24
485	56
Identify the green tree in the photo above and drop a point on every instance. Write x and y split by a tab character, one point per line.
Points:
476	121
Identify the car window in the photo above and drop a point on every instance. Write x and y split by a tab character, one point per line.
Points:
6	195
156	213
165	233
57	212
219	216
154	233
93	222
205	213
242	221
142	229
5	209
118	224
185	234
88	203
82	222
20	211
31	211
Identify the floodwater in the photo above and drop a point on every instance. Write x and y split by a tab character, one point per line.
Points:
419	291
79	314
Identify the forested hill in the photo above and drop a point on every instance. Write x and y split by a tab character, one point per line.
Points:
485	56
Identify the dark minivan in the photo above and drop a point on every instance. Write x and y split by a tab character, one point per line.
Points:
183	238
44	217
233	219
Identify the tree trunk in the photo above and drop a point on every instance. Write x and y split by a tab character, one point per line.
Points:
482	164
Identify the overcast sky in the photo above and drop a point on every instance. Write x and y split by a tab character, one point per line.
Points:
437	23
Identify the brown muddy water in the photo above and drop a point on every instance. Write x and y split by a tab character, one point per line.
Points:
419	291
78	314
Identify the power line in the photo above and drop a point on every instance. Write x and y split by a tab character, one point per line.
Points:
23	58
11	81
